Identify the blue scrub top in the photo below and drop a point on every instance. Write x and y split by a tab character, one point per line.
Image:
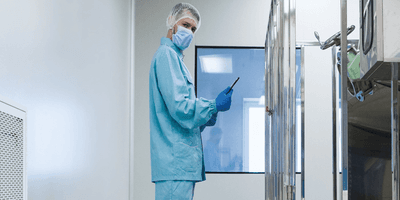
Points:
175	118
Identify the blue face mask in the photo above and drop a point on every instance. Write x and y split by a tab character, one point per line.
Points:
182	38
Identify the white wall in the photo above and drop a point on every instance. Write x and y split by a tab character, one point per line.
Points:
68	62
318	124
224	23
324	17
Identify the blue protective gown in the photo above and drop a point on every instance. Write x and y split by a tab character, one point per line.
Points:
175	118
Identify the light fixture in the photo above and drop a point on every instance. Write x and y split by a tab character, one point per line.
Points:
217	63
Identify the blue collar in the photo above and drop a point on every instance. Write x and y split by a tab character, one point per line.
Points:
168	42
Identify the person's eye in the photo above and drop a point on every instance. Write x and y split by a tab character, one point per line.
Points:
186	25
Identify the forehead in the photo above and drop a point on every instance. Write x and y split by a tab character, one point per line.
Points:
188	20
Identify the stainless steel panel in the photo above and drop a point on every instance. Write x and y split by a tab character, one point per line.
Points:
395	131
269	177
280	98
370	59
370	124
369	145
391	30
292	99
343	85
302	125
379	20
366	126
369	164
334	142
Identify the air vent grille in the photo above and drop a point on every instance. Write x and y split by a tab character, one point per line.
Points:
11	157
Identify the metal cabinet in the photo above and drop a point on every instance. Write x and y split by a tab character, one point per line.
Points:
379	38
370	128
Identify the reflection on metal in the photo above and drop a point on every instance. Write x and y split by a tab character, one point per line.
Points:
343	85
336	124
370	134
379	37
305	43
280	54
334	158
292	101
270	112
369	145
395	131
369	114
302	126
334	39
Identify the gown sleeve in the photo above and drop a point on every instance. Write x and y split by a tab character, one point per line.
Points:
172	84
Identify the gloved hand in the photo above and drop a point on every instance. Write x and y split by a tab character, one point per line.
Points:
202	127
223	100
212	120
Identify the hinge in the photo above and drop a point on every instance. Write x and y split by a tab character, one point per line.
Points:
289	189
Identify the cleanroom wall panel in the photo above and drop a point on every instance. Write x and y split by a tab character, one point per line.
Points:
324	17
318	124
317	16
68	62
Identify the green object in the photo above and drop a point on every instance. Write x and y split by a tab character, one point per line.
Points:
353	67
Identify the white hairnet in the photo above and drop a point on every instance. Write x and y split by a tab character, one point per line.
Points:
181	11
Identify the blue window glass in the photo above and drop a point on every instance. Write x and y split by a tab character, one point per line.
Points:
236	143
298	110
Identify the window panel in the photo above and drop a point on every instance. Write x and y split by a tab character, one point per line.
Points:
236	142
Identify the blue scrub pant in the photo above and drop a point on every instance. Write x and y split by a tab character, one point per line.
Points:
174	190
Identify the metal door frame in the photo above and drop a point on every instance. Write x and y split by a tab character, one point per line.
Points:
280	83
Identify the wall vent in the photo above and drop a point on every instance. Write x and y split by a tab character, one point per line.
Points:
12	151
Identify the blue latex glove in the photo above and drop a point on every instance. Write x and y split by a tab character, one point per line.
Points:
202	127
223	100
212	120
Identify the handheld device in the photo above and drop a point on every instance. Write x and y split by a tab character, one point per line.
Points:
233	85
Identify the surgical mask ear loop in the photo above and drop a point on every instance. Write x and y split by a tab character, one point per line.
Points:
173	29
